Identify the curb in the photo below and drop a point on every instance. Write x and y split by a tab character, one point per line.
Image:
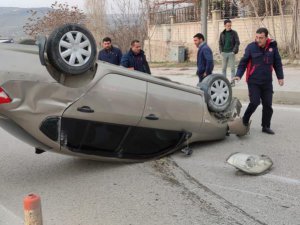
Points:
279	97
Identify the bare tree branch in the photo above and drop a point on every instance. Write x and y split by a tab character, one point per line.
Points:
129	22
58	15
96	14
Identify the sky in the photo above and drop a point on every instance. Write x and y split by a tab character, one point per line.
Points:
39	3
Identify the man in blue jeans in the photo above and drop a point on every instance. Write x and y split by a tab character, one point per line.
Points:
260	58
205	61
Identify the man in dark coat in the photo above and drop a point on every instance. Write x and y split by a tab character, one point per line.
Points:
205	61
260	58
109	53
135	58
229	46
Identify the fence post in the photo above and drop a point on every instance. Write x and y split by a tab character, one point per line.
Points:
216	15
33	210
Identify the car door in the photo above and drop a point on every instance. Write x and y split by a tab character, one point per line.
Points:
169	117
98	122
172	108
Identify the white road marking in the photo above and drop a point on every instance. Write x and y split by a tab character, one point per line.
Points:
9	218
283	179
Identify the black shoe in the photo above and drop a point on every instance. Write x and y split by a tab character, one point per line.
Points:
267	130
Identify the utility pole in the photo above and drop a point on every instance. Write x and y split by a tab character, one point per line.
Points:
204	9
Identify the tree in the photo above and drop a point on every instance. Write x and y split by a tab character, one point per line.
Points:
295	42
96	17
129	22
271	8
58	15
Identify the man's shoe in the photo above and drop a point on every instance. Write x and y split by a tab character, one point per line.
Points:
267	130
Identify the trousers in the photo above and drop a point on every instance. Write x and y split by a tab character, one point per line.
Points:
260	93
228	58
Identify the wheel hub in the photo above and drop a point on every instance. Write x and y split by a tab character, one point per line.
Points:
75	48
219	92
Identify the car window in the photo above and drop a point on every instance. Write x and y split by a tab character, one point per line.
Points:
91	137
147	141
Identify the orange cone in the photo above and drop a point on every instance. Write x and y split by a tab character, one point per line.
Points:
33	210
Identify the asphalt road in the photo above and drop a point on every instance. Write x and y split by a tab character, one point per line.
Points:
201	189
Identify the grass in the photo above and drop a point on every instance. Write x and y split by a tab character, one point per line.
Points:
172	64
176	65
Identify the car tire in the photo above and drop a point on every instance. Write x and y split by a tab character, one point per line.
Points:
218	92
71	49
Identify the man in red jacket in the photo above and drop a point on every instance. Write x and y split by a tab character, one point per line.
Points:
260	58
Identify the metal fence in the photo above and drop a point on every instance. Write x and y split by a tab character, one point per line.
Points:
190	14
181	15
163	17
187	14
229	9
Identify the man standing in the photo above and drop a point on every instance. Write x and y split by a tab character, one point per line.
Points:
135	58
229	46
109	53
205	62
260	58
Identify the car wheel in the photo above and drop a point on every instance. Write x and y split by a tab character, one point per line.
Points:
218	92
71	49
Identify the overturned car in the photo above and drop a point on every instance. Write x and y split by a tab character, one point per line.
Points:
96	110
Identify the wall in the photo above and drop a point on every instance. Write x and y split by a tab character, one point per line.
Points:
163	37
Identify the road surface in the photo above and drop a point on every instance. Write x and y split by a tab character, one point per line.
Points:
201	189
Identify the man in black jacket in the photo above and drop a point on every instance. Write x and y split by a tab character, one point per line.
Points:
229	46
260	58
135	58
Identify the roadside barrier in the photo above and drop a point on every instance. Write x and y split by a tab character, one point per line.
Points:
33	210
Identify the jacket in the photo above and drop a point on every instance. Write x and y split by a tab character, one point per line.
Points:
138	62
235	41
112	56
260	62
205	61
